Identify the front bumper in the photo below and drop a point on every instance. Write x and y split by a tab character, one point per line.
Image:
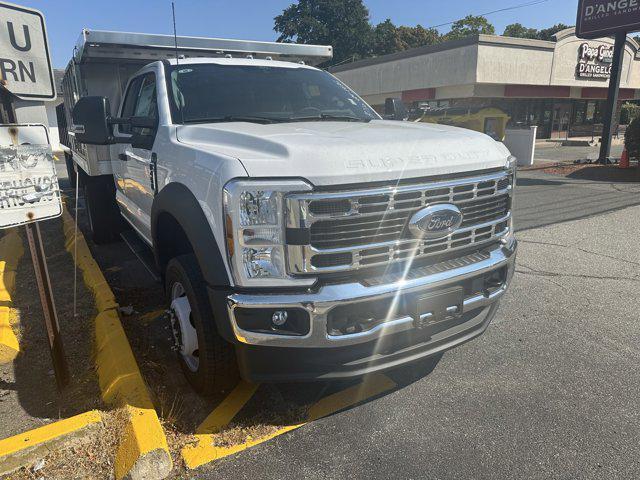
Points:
320	355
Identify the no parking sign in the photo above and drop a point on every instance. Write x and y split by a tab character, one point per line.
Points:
29	188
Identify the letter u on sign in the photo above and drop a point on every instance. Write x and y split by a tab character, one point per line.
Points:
12	38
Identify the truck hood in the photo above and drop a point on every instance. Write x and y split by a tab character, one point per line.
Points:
333	153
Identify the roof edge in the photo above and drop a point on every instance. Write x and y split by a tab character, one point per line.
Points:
479	39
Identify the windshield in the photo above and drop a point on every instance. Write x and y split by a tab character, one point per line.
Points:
227	93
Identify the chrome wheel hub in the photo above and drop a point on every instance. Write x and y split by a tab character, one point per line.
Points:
184	331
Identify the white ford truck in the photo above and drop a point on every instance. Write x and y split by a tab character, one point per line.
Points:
300	235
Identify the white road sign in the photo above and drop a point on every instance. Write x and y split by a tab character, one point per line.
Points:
29	188
25	63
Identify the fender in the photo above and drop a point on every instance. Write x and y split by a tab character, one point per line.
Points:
178	201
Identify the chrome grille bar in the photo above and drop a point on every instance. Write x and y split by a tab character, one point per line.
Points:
348	230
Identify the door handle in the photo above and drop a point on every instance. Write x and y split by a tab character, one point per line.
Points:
123	156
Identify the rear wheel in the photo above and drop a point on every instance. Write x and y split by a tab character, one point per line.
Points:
72	175
103	213
207	360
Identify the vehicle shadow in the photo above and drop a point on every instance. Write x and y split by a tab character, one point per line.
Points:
32	395
532	182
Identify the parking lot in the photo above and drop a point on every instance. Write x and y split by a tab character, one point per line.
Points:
549	391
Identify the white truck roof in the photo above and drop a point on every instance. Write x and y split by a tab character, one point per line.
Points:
242	61
101	46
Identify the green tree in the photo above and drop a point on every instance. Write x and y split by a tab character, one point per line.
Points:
470	25
412	37
385	38
519	31
548	33
344	24
632	138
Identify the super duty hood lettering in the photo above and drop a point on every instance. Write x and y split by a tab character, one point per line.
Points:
331	153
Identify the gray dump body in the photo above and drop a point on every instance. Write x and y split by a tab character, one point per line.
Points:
103	62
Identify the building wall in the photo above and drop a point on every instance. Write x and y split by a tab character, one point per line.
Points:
488	66
450	67
566	60
529	64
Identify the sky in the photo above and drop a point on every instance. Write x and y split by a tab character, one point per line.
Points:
253	19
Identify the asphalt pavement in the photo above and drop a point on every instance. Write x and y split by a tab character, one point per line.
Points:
549	391
554	152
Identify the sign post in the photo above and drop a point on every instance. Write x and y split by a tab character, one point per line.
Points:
600	18
29	193
29	190
611	108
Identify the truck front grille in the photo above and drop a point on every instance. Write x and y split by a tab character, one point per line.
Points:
339	231
347	232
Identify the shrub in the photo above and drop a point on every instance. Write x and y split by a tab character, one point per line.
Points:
628	112
632	138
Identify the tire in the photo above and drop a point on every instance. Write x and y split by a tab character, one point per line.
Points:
216	369
72	175
103	213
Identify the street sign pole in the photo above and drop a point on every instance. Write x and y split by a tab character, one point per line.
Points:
43	281
611	108
26	160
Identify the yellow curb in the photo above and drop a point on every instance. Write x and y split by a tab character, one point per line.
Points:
11	250
204	451
27	447
143	451
91	273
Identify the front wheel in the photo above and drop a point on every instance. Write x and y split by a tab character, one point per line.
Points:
207	360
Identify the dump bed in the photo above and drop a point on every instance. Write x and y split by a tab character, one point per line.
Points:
103	62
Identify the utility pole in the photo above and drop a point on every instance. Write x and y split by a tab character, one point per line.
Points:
611	108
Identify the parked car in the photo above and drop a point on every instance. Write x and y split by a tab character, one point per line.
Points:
299	235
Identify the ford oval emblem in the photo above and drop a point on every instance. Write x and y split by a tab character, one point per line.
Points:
435	221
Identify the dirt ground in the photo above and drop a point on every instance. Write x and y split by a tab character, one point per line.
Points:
29	397
28	393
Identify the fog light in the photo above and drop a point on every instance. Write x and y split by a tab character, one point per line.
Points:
292	321
279	318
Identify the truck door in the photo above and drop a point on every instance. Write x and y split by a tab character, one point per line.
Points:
133	172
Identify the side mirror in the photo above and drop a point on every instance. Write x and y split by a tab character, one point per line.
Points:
143	131
394	109
91	124
143	122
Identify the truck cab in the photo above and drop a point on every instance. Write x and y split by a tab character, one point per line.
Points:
298	234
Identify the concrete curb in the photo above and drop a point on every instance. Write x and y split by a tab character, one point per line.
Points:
143	452
11	250
26	448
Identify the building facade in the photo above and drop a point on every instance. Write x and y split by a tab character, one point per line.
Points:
559	86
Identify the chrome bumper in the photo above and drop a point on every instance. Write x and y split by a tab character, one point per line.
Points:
319	303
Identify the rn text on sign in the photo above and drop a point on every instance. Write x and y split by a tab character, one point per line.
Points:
25	63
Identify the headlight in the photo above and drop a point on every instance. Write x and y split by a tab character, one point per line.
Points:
254	229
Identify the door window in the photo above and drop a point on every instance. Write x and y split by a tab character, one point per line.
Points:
130	103
147	104
140	101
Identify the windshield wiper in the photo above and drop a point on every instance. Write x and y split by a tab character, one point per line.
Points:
329	117
234	118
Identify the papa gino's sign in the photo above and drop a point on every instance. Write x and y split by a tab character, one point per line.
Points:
599	18
594	61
